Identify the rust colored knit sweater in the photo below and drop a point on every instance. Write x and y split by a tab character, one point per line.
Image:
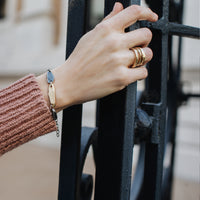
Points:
24	114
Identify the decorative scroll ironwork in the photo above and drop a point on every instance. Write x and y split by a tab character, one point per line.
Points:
128	117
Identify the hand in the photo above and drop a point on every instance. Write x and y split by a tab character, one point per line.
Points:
100	63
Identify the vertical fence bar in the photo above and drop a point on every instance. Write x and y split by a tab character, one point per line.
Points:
115	140
69	177
157	90
172	100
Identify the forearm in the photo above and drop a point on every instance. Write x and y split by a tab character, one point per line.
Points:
24	114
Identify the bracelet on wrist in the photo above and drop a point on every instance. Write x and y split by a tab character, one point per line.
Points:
52	98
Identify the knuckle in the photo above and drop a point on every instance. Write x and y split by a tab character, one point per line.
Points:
137	9
150	52
147	34
103	27
113	42
114	59
144	72
149	10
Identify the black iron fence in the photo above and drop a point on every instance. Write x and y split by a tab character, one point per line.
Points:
126	118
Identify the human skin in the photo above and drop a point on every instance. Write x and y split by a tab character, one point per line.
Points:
101	62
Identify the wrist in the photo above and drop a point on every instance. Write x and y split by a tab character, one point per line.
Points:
62	99
63	89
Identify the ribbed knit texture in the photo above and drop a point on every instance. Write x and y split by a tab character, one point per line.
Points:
24	114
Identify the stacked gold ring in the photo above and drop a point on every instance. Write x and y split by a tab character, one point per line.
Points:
140	57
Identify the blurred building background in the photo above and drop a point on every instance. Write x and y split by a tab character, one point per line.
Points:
33	39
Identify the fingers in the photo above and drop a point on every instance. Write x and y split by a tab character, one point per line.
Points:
130	75
127	76
130	15
139	37
127	57
148	56
136	74
116	9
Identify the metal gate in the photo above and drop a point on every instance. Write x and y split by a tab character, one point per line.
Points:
128	117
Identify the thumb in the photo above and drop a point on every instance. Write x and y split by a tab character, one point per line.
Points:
116	9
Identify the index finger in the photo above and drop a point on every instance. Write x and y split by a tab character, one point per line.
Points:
130	15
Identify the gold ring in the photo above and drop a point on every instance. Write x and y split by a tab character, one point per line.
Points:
137	57
143	56
140	57
140	53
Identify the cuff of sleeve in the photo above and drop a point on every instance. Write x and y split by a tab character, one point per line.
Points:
24	114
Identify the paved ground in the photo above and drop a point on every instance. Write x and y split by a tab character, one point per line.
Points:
30	172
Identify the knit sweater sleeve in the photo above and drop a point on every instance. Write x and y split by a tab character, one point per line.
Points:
24	114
